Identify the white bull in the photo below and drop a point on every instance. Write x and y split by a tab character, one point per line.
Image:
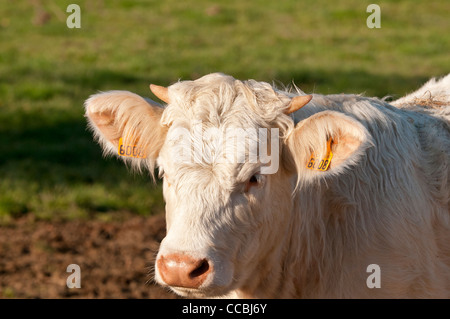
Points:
358	182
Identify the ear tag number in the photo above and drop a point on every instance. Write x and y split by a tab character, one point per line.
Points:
321	164
128	150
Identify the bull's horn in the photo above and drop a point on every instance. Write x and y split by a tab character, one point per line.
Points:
161	92
297	103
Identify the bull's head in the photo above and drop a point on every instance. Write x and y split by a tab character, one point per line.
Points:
228	216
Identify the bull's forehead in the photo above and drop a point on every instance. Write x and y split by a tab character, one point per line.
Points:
206	154
212	180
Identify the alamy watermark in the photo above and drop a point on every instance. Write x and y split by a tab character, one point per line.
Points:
374	279
74	279
231	145
373	20
74	19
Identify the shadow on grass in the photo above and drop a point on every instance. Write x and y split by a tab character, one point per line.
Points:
357	82
58	171
66	147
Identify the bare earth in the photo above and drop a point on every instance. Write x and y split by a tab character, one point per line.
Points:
115	258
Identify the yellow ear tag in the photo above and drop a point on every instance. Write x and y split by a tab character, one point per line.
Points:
130	150
323	164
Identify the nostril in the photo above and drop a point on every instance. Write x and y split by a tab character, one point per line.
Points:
201	269
180	270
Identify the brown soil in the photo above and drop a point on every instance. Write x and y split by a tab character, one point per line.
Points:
115	258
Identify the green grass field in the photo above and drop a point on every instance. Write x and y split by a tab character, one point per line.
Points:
49	165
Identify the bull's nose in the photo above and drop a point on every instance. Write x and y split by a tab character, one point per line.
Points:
180	270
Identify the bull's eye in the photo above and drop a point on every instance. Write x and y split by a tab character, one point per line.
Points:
255	180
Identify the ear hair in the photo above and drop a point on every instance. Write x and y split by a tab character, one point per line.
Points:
117	115
349	141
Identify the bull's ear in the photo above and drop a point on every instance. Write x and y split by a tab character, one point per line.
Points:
127	125
326	143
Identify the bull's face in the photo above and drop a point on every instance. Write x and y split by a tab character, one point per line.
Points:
230	158
219	217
